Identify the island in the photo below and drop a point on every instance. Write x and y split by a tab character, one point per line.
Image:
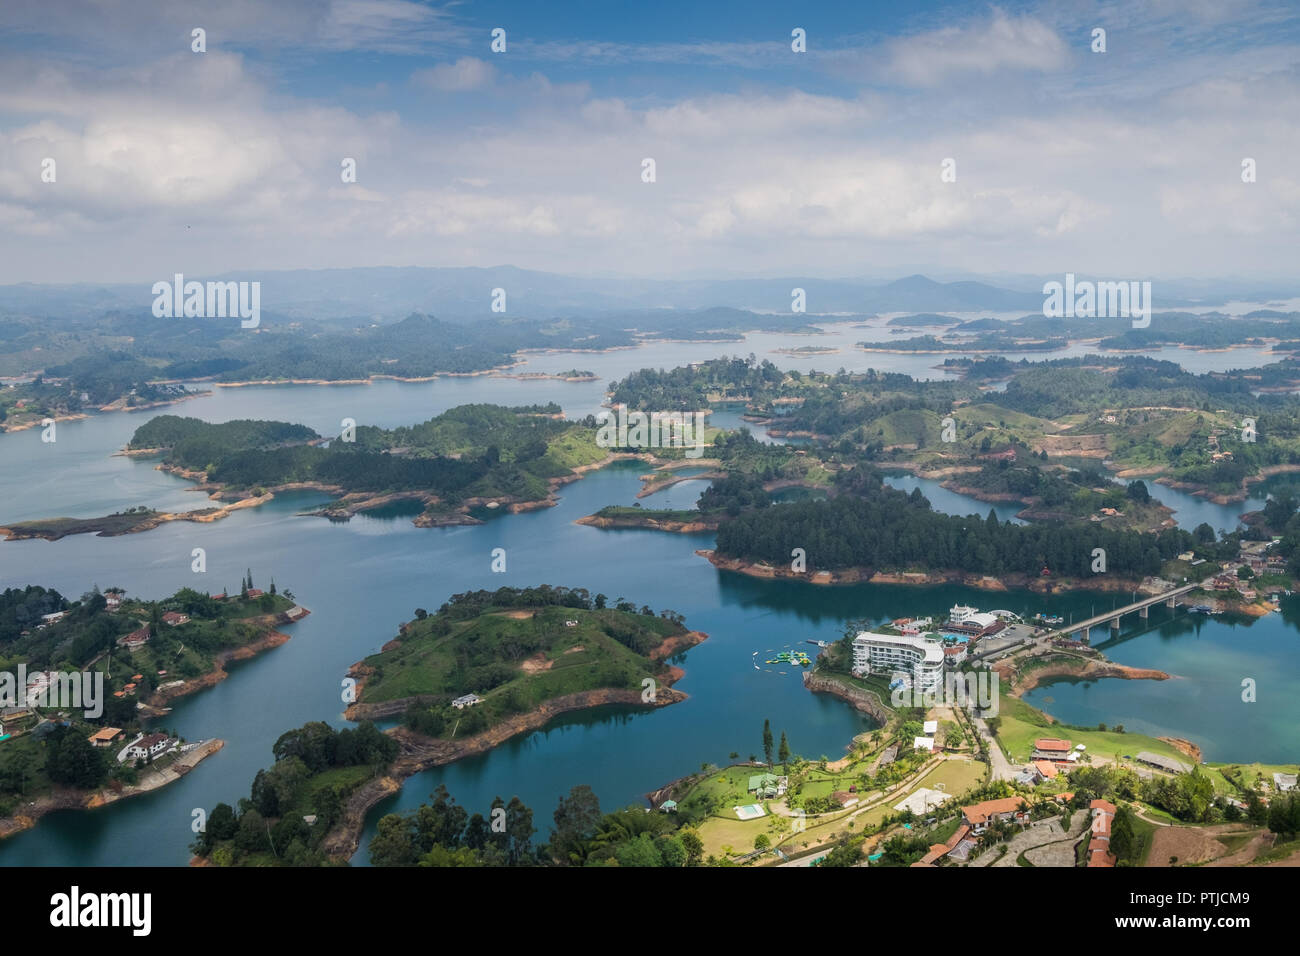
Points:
484	668
83	682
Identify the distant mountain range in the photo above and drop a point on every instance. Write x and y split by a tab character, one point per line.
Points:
386	294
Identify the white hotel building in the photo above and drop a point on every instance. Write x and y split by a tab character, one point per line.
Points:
919	655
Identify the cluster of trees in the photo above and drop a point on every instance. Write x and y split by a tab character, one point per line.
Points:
473	450
21	609
734	494
442	833
418	346
106	376
687	388
71	760
470	604
1187	796
629	837
894	530
270	820
194	443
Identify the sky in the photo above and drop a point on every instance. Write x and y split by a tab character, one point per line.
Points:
830	162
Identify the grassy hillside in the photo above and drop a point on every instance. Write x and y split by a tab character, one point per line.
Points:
515	657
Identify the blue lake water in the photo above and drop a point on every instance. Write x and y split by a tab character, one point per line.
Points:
363	578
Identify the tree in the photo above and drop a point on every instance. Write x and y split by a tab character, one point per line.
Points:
1123	841
392	844
576	820
672	851
784	753
762	843
72	761
847	853
694	847
767	742
640	851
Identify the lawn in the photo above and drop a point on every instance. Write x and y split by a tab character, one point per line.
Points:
1020	724
1235	778
1143	832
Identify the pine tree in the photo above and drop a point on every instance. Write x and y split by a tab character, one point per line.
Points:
767	742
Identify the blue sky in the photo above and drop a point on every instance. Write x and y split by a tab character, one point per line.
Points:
768	162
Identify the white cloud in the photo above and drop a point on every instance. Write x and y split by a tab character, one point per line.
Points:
467	73
1002	43
775	178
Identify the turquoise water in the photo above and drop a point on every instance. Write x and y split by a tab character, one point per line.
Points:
365	577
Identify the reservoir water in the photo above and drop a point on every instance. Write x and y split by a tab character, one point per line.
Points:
365	577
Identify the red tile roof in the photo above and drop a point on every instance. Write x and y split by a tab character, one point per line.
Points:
1051	743
980	812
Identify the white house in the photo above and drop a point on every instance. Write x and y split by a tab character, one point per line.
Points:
148	746
919	655
467	700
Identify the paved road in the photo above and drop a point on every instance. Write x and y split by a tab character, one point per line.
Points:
1002	768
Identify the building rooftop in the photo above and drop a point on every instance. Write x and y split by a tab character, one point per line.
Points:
980	812
1051	744
930	646
1162	762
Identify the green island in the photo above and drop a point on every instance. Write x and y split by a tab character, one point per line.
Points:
84	679
514	651
487	666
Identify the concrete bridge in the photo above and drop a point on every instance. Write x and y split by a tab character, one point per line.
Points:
1170	599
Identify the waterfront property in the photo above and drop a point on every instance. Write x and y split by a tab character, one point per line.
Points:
920	656
1053	750
105	737
150	745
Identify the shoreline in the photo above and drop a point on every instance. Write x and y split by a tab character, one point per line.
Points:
272	639
70	799
1082	670
984	582
648	523
420	753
